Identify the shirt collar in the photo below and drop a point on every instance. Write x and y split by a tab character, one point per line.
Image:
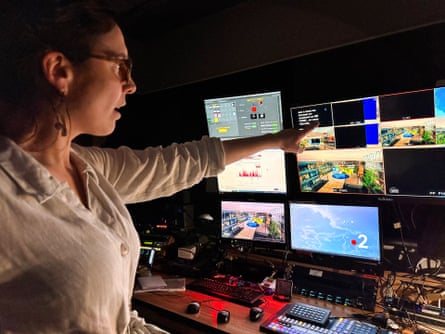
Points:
28	173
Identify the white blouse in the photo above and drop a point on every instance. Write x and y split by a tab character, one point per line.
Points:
67	268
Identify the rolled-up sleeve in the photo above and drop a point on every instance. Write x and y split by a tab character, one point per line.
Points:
141	175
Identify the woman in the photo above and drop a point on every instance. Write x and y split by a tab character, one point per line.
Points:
68	247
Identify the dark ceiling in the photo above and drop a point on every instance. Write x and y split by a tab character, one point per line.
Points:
175	42
144	18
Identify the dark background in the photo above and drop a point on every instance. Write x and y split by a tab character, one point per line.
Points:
169	104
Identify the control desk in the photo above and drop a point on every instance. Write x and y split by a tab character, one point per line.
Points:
192	312
169	311
357	298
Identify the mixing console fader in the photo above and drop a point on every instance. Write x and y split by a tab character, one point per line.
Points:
283	322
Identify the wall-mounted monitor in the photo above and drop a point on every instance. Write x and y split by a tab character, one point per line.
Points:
344	231
390	144
258	223
246	116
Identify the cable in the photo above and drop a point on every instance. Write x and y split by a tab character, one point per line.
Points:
402	239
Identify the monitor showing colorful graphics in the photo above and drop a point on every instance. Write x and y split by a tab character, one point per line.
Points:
347	231
257	222
245	116
391	145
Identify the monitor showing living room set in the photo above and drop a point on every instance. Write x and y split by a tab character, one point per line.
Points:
343	194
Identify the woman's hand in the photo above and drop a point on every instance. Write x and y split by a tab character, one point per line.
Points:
288	140
291	138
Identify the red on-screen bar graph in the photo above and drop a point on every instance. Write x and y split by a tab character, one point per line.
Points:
262	172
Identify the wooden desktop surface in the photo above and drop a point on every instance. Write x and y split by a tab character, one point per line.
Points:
168	310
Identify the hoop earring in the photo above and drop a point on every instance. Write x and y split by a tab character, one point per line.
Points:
60	125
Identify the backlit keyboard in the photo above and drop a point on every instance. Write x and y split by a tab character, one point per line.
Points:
243	295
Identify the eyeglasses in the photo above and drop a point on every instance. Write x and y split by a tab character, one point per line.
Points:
125	65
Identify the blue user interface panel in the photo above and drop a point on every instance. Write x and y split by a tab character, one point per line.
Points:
351	231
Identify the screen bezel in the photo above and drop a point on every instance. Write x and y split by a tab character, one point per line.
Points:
336	260
249	166
256	244
392	187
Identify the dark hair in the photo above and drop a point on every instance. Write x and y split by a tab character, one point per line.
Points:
28	30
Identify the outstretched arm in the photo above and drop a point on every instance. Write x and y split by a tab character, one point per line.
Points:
288	140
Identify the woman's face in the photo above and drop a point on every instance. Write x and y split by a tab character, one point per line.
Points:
99	87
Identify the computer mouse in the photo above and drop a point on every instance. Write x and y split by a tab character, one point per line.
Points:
255	313
193	307
223	317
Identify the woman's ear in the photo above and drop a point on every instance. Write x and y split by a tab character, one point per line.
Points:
57	70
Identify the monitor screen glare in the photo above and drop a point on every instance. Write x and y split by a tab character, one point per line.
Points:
339	230
246	116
